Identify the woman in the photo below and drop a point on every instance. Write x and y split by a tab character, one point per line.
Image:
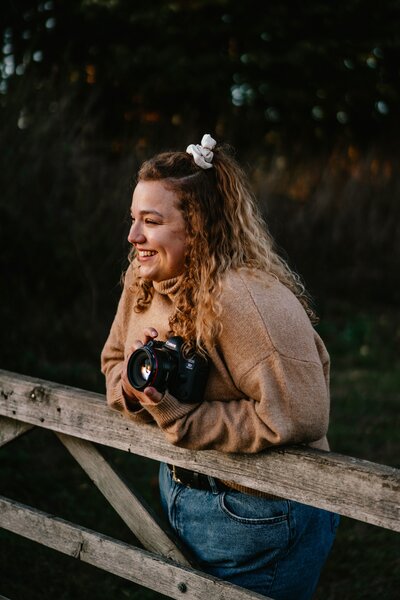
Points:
204	268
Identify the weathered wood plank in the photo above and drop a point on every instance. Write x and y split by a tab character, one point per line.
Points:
140	519
352	487
133	564
10	429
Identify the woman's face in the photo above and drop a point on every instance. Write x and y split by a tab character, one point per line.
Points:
157	231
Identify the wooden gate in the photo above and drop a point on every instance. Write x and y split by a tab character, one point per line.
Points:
352	487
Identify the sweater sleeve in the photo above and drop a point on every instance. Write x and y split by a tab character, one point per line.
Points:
268	414
279	376
113	356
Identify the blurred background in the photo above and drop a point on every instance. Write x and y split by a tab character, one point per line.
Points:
308	94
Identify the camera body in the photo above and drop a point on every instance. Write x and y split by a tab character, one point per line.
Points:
164	366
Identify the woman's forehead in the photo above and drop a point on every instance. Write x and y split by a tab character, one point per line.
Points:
154	197
153	192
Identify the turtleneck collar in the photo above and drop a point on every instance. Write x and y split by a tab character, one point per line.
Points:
169	287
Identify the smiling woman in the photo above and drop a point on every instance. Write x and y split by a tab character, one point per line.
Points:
157	232
230	362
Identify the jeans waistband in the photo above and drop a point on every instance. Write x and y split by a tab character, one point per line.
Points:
199	481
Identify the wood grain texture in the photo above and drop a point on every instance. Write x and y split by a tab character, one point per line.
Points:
352	487
139	517
10	429
133	564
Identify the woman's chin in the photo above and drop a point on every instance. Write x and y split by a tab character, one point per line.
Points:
146	273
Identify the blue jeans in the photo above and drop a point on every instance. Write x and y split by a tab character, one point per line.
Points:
273	547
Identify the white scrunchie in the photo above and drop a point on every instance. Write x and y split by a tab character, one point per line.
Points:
202	153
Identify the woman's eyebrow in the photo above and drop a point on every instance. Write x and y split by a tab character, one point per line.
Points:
149	212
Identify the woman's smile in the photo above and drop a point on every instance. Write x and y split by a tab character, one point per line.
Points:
145	253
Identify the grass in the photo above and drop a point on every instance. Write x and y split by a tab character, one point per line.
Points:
37	470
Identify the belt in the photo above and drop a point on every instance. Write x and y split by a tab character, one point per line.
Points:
199	481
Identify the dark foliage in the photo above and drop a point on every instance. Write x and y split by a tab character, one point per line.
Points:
90	88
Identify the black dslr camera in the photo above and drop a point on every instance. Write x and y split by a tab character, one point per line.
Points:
164	366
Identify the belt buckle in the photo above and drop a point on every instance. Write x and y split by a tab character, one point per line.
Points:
174	475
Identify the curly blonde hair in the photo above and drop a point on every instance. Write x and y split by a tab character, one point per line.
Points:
224	230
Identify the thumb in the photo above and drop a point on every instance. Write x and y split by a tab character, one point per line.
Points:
153	394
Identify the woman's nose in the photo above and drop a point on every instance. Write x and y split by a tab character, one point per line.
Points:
135	236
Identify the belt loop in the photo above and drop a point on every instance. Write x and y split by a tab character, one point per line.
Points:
196	479
213	484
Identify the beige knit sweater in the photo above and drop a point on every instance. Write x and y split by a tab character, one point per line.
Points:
269	377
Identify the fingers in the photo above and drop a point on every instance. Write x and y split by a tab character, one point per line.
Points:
153	394
150	333
136	345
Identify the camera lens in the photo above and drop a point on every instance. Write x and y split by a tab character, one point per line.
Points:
150	367
145	369
140	367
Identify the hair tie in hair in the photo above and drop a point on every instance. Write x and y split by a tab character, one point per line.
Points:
202	153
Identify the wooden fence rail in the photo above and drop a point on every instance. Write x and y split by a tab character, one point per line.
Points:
352	487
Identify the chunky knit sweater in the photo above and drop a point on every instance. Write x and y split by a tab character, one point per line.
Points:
269	378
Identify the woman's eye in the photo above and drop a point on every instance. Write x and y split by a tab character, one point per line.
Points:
151	222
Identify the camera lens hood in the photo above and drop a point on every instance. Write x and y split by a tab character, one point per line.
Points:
142	368
150	366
